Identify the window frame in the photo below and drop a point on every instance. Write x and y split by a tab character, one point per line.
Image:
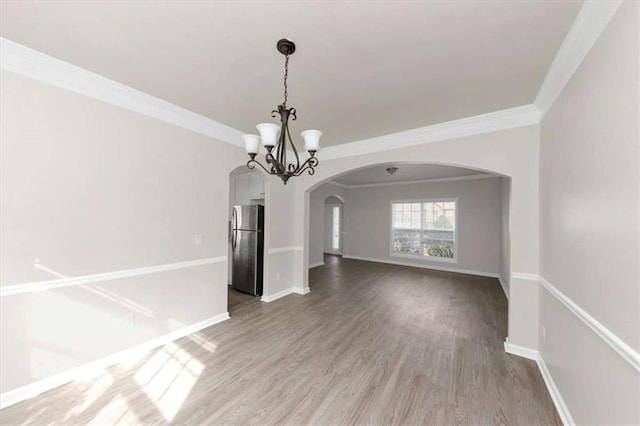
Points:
393	253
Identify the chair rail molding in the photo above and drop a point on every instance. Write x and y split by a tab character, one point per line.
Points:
33	287
284	249
593	18
616	343
23	60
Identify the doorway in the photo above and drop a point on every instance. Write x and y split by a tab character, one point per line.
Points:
333	225
247	194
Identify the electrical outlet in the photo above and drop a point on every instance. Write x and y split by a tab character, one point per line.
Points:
197	239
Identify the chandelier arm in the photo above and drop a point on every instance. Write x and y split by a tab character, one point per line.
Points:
292	167
251	164
309	165
275	168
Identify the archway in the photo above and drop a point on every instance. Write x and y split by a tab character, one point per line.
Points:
322	239
517	164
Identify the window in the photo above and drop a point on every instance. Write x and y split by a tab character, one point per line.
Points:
335	241
424	228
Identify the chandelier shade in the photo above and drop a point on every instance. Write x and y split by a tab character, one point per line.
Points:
276	139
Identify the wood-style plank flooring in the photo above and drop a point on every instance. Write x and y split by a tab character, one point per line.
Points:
371	344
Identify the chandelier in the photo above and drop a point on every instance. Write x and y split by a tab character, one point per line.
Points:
276	138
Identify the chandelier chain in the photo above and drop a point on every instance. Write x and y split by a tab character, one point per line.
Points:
286	74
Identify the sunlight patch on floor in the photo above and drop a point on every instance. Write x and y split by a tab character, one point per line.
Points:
91	395
204	343
167	378
116	412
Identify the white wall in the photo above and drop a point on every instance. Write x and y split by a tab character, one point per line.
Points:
317	220
478	228
91	188
589	227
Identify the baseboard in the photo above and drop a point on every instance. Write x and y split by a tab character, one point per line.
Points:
97	367
419	265
534	355
563	411
275	296
315	265
504	287
283	293
512	349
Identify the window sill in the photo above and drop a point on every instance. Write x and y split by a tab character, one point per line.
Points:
453	261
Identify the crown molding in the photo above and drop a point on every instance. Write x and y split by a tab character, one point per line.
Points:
31	63
483	123
22	60
409	182
586	29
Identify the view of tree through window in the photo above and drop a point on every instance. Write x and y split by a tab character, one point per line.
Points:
424	228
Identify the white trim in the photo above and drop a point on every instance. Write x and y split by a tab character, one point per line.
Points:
534	355
417	265
31	63
285	249
586	29
275	296
410	182
524	276
616	343
484	123
561	407
341	185
283	293
522	351
96	367
105	276
315	265
301	290
419	257
504	286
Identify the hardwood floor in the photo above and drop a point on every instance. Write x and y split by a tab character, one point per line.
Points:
237	301
372	343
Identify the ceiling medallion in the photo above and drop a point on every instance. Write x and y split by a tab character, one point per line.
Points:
275	138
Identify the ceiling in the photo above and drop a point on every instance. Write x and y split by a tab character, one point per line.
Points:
405	173
362	69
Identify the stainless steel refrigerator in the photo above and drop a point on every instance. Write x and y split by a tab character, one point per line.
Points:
247	243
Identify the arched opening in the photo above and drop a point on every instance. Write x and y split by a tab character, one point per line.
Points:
326	225
436	216
246	253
